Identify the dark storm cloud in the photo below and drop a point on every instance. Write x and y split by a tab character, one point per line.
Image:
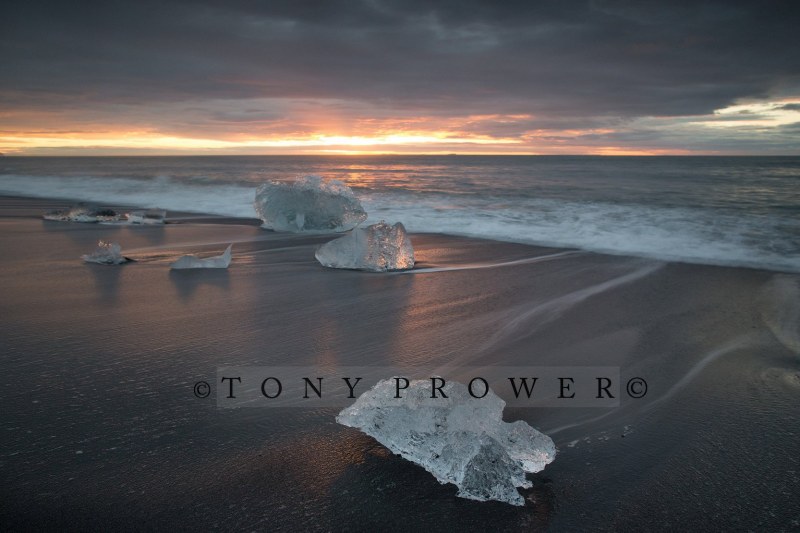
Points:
559	58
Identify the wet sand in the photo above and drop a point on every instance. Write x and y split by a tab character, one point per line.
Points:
101	429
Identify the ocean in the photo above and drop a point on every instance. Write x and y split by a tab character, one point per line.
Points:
735	211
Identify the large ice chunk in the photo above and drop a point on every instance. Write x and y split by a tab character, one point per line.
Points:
308	204
378	248
106	253
192	261
459	439
83	213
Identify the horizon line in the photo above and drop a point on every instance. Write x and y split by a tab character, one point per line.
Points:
394	154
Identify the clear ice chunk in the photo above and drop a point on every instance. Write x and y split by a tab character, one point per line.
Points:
459	439
107	253
192	261
83	213
308	204
377	248
150	216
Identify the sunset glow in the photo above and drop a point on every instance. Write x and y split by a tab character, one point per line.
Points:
370	78
475	134
321	143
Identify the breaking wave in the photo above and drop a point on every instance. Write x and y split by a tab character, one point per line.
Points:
689	234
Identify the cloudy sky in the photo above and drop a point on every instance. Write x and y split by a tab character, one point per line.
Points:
466	76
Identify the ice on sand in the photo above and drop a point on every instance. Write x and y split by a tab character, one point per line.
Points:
83	213
459	439
150	216
377	248
107	253
308	204
192	261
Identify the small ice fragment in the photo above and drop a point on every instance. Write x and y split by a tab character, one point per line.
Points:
308	204
459	439
83	213
107	253
377	248
192	261
150	216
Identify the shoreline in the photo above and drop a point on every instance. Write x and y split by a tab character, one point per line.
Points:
35	207
672	210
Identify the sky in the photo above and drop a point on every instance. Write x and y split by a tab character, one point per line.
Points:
600	77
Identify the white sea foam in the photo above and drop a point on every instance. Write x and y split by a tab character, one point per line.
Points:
689	234
221	199
674	234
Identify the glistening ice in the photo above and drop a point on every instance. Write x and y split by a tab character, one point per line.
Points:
106	253
308	204
83	213
459	439
192	261
377	248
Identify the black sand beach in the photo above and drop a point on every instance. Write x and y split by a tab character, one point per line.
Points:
102	431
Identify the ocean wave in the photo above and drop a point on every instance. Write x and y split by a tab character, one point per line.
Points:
687	234
692	235
160	192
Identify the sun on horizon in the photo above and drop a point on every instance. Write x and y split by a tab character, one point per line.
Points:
475	134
